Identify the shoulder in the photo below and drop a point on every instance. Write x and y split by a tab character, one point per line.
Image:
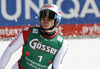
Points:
62	42
26	29
60	38
26	32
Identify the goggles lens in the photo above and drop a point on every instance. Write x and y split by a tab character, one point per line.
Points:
47	13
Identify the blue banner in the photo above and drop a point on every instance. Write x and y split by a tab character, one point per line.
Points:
25	12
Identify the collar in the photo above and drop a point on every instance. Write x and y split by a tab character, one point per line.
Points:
48	35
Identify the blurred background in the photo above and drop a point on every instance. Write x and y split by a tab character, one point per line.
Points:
80	26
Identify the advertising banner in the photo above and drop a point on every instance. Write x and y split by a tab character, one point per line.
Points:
79	17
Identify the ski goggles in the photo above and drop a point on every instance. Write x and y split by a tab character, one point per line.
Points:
47	13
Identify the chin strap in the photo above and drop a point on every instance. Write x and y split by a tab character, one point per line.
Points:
47	33
49	28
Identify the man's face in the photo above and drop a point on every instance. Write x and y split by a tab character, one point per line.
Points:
46	23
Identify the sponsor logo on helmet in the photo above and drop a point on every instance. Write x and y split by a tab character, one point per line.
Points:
49	6
58	11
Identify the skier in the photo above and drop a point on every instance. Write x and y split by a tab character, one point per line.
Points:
41	45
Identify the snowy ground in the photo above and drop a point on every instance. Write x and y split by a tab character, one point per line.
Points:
82	54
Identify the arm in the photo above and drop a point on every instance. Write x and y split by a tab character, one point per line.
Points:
57	63
15	44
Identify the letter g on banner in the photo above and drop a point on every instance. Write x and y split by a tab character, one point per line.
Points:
73	12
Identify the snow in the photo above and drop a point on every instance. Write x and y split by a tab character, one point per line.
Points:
82	54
